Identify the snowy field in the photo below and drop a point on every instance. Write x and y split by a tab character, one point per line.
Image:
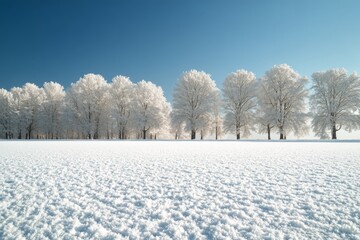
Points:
179	190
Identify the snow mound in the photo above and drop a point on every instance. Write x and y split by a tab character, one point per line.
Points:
177	190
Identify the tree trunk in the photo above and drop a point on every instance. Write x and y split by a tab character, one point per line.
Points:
144	134
216	133
281	132
29	134
333	131
268	131
123	133
193	134
237	129
201	135
96	134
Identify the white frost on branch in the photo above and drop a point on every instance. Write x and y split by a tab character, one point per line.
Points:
282	96
87	99
194	94
239	92
150	109
122	93
335	102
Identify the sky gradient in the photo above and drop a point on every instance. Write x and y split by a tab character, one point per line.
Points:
158	40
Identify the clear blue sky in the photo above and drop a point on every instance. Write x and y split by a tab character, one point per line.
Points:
157	40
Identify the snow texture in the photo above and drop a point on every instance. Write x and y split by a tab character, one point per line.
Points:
179	190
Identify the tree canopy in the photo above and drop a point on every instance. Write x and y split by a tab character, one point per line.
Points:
93	108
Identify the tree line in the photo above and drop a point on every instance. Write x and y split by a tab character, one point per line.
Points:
277	102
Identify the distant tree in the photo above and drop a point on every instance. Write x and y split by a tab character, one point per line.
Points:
69	123
282	98
194	95
6	114
31	99
53	106
211	123
239	93
150	110
87	99
335	102
216	118
108	126
263	123
122	94
17	124
177	126
205	125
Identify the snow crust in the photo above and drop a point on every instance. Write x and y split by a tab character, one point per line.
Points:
179	190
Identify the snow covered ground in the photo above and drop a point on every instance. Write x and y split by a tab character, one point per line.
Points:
177	190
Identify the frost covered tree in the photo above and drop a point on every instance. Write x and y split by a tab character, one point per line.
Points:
87	99
6	114
205	125
107	127
122	93
194	94
31	99
16	121
282	96
239	91
150	109
177	126
216	118
335	102
53	106
263	123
